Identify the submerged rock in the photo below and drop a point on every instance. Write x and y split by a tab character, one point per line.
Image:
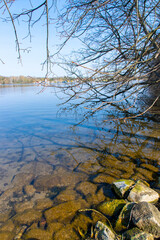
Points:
122	186
6	235
29	190
111	208
147	217
141	192
64	210
38	234
66	233
103	232
27	217
43	203
124	218
137	234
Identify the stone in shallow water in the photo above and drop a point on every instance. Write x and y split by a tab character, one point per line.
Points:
38	234
8	226
64	210
103	178
140	192
21	207
147	217
22	179
66	233
122	186
60	178
86	188
42	204
112	207
137	234
124	217
103	232
6	236
27	217
29	190
67	195
54	227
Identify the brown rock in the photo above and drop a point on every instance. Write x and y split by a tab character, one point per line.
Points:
42	204
29	190
21	207
103	178
8	226
58	179
66	233
54	227
6	235
38	234
64	210
27	217
22	179
67	195
86	188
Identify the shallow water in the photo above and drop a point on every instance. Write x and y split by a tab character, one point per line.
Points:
38	141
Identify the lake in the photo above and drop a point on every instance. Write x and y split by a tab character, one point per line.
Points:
47	158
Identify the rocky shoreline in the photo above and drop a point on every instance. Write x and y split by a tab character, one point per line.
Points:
131	213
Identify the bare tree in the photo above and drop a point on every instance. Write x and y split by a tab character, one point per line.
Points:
120	50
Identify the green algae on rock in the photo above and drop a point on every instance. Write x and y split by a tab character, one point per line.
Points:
122	186
124	218
140	192
111	208
137	234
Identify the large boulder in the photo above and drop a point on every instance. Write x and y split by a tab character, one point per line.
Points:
147	217
142	193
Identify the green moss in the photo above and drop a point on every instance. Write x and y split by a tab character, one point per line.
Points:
111	208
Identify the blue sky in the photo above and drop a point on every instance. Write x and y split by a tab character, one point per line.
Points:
31	61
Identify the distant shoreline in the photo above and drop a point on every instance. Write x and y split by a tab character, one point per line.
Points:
22	80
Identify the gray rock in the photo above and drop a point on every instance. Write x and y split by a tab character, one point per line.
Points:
103	232
137	234
122	186
142	193
147	217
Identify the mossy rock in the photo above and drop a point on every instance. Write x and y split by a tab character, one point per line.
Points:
141	192
124	218
111	208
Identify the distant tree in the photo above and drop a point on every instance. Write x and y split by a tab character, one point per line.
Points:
121	49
